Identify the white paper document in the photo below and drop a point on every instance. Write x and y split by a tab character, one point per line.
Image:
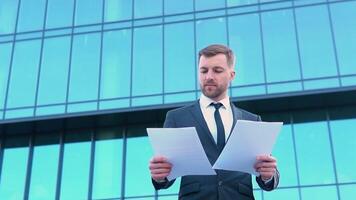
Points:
182	148
248	140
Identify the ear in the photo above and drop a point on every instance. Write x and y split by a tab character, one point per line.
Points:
232	75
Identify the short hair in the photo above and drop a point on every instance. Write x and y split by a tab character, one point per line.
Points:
214	49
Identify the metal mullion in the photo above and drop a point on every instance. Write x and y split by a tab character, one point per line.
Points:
195	51
332	153
132	49
101	53
11	59
295	156
263	50
2	139
29	166
60	165
91	167
123	170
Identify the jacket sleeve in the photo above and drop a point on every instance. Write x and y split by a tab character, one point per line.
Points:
168	123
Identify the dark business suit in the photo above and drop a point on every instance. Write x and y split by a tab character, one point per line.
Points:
226	185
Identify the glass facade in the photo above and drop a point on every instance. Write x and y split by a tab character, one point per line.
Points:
64	58
119	55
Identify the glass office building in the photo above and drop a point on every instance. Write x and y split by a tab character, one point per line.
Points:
81	80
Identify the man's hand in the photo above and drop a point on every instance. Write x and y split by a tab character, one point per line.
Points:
266	166
160	168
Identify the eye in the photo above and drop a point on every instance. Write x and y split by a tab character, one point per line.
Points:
203	71
218	70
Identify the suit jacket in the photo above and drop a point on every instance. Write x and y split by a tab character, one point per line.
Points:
225	185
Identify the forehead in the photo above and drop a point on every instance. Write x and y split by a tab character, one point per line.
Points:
217	60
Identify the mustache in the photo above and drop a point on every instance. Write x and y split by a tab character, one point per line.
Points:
210	82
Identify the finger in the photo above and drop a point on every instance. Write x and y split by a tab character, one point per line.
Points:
266	170
156	159
159	176
266	158
160	165
160	171
265	164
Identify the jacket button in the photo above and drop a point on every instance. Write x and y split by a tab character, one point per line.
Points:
220	183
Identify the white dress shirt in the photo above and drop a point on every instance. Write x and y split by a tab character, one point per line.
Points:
225	113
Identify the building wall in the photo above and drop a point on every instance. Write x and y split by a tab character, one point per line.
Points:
60	58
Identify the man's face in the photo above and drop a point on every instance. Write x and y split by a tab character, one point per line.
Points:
215	76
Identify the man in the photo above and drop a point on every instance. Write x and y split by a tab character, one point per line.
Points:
214	117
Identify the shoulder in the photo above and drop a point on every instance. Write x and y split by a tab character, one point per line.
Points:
182	110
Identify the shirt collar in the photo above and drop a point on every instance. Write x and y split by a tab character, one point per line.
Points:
206	101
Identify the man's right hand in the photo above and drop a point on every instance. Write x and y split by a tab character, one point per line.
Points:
160	168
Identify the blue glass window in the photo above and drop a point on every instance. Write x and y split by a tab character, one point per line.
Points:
13	174
344	140
44	173
241	2
281	194
8	11
245	41
284	152
116	10
75	175
23	81
107	169
347	192
209	4
313	153
316	48
148	8
147	61
178	6
343	16
179	57
59	13
5	56
139	152
88	12
210	31
116	64
312	193
84	75
281	54
31	15
54	71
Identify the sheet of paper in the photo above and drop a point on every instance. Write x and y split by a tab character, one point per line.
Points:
248	140
182	148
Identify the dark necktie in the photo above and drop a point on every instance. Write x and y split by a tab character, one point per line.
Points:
219	127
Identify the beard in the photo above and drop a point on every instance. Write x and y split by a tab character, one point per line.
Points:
213	91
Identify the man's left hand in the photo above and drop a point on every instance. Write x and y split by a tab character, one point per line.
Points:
266	165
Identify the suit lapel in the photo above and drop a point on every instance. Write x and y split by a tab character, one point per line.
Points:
198	116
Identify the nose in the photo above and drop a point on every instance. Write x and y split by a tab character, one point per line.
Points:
209	75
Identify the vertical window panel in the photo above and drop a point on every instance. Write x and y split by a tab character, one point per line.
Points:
343	16
88	12
116	10
245	41
284	152
13	174
59	13
347	192
5	57
54	71
116	64
209	4
316	48
23	81
139	153
210	31
44	173
107	169
178	6
281	54
147	61
75	175
31	15
148	8
281	194
179	61
84	75
344	140
317	156
8	13
312	193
